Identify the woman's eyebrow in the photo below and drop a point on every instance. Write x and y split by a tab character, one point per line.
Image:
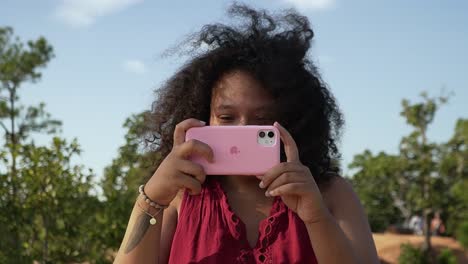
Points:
265	108
225	107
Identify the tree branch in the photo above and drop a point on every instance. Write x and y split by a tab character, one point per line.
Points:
400	204
5	128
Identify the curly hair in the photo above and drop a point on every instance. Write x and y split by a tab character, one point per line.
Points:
273	49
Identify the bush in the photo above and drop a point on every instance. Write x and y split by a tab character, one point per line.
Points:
411	255
446	256
462	234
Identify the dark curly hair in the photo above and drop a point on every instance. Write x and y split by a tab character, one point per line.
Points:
273	49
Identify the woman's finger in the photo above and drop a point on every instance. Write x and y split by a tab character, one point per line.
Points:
189	183
290	147
276	171
294	188
283	179
196	148
193	169
182	127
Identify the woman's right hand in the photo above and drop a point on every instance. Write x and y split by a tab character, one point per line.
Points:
176	171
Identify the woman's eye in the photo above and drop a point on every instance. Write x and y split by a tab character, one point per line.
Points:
226	118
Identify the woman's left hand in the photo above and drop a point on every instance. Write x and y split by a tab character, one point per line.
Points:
294	183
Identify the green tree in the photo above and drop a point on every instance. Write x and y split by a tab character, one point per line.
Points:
422	177
18	64
454	168
378	189
48	211
58	203
423	157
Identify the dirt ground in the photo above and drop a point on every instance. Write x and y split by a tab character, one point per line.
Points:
388	246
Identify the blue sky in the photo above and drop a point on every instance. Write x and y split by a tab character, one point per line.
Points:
371	54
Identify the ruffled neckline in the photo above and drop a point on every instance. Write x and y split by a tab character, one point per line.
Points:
266	226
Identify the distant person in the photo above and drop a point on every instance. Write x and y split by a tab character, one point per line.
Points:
300	211
416	224
437	225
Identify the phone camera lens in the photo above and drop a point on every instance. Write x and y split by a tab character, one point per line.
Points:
262	134
271	134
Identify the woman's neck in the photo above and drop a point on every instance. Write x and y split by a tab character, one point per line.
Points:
244	186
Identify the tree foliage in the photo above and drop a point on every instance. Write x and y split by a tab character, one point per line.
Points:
132	167
48	209
424	176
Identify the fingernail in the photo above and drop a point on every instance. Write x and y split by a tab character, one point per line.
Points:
267	194
203	122
261	185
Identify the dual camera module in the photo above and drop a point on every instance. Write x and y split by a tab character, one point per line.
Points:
266	138
270	134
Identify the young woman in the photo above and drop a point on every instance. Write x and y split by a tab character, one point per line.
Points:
300	211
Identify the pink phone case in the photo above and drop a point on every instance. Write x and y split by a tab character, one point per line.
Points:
236	149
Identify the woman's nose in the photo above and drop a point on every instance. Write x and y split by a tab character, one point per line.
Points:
244	122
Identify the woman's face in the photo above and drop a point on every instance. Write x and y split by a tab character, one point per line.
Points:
239	99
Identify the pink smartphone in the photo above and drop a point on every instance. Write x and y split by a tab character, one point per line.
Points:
238	150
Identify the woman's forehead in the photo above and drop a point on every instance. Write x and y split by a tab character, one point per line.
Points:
239	88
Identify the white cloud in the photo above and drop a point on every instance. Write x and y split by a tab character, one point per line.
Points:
312	4
82	13
134	66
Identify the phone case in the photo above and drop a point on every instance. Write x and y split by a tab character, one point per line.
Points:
236	149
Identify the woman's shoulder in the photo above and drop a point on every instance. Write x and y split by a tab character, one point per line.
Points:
337	193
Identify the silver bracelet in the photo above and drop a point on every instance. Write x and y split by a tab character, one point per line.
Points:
148	200
153	217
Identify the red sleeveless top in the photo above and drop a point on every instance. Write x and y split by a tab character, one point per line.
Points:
208	231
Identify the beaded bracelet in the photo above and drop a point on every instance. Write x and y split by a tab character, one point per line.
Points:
148	200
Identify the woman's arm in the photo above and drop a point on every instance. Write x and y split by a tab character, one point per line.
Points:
342	233
145	243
